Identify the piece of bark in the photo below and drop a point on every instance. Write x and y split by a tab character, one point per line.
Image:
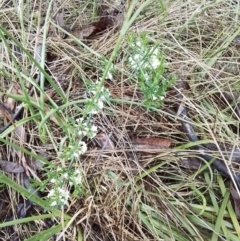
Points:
150	144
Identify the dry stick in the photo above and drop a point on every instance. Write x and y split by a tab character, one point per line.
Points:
217	164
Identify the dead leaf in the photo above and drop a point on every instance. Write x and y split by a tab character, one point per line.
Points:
146	144
52	118
25	165
107	20
11	167
236	199
91	29
192	163
5	112
59	19
10	103
84	32
37	165
119	19
26	183
20	132
105	141
181	107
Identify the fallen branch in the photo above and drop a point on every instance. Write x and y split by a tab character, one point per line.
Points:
217	164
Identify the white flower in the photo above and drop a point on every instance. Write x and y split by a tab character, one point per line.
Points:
63	192
63	200
83	146
154	58
118	2
137	61
146	76
53	180
95	85
79	120
58	196
51	193
99	104
54	203
86	129
138	43
77	154
63	195
76	178
155	51
155	62
82	149
109	75
105	95
65	175
93	131
154	97
162	97
93	111
94	91
82	133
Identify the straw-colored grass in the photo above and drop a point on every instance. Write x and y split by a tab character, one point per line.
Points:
125	194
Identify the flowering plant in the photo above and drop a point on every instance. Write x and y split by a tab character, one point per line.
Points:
148	67
60	179
73	146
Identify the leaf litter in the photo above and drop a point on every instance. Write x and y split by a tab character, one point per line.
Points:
93	30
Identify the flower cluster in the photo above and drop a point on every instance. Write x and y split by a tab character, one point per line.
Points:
85	129
76	178
144	57
82	148
110	73
148	67
100	95
58	195
73	146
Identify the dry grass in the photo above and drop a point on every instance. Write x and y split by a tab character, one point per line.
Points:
131	195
